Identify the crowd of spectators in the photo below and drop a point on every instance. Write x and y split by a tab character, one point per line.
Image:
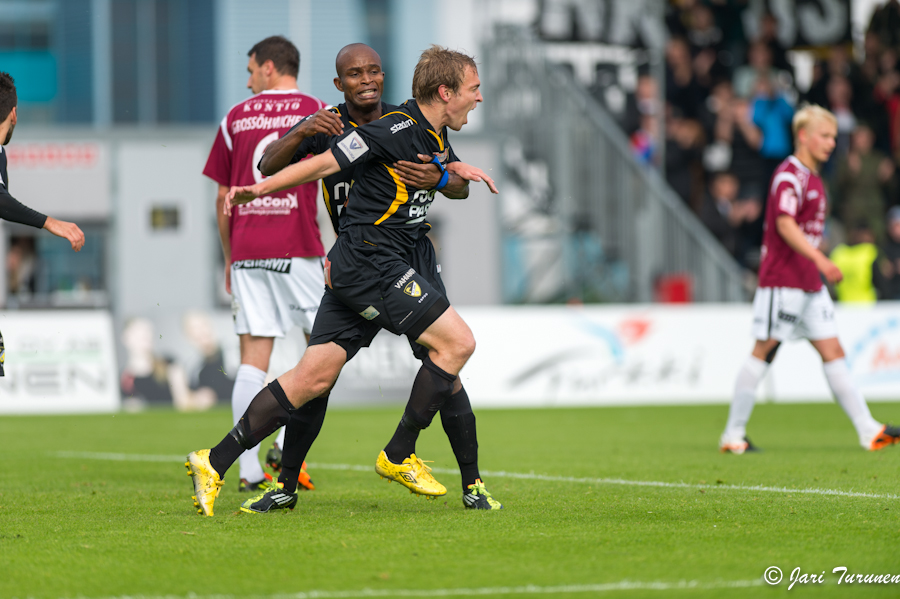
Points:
729	102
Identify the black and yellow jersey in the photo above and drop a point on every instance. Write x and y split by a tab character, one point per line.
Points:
391	214
336	187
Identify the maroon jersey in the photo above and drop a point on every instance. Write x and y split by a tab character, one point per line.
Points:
799	193
280	225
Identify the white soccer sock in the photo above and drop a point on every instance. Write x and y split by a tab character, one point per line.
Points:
854	404
748	379
249	381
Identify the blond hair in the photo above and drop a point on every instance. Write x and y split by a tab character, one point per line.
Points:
809	113
436	67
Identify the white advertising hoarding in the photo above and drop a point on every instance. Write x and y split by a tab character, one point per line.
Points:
58	362
626	355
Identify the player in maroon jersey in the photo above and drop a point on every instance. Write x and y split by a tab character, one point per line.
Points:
273	250
791	302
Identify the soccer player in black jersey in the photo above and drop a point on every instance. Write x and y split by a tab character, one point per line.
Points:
10	208
369	277
360	78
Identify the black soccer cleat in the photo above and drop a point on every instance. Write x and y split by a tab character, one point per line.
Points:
245	486
477	497
276	498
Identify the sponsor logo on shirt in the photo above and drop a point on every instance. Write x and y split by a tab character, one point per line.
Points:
353	146
406	277
270	206
282	265
402	126
252	123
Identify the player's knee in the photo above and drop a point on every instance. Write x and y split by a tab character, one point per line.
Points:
468	347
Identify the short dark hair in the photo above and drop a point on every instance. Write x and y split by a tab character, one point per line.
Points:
8	97
283	54
436	67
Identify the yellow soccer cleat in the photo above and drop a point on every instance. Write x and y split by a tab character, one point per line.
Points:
412	474
207	483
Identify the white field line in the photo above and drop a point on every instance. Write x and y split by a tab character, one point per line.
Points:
131	457
625	585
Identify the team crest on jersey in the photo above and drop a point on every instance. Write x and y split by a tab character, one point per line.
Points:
412	289
353	146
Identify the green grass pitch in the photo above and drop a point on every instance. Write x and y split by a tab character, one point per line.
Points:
82	524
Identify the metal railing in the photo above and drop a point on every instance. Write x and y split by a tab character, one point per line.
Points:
586	221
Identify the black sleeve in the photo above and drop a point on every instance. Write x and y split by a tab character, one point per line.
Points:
452	157
16	212
378	140
316	144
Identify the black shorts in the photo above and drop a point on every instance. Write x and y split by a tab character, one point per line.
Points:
363	298
2	354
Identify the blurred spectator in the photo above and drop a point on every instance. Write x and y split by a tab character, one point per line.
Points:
885	24
149	379
644	141
21	264
887	97
723	214
862	180
682	89
684	152
768	34
837	65
644	103
890	288
198	328
772	114
840	97
707	47
746	78
735	139
858	264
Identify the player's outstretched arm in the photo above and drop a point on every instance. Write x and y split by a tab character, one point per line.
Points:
280	152
66	230
296	174
790	231
14	211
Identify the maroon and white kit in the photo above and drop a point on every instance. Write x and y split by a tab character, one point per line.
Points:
276	249
791	302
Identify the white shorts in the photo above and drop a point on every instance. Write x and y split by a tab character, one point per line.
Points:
269	297
786	313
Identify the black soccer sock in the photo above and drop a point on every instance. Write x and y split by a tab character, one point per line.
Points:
269	410
459	424
299	435
431	389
